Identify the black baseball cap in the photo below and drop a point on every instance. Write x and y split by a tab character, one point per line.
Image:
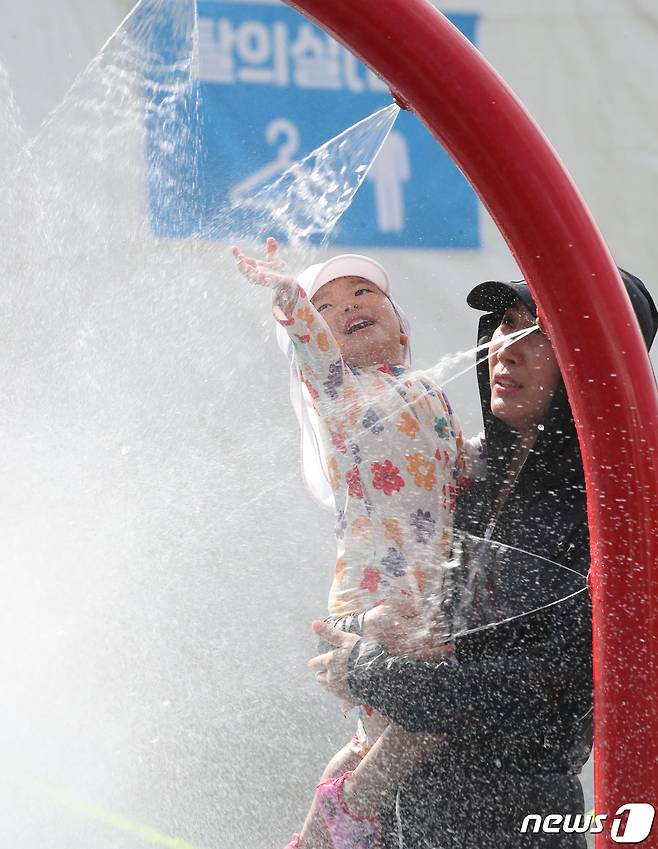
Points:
643	306
496	295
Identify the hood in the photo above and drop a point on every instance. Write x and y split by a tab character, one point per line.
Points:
556	453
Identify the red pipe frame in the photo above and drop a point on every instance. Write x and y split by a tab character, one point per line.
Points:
611	387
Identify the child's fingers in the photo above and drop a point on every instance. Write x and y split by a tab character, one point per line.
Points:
272	254
262	272
257	277
238	256
241	257
270	249
246	270
245	265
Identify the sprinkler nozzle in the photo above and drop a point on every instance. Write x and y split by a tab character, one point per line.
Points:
401	102
539	324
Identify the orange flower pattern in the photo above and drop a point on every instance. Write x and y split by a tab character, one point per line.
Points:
393	532
306	315
408	425
362	527
422	470
341	565
334	474
421	580
395	507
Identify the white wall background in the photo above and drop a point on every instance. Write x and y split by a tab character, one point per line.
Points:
585	70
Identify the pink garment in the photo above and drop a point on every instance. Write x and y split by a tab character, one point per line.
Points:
346	830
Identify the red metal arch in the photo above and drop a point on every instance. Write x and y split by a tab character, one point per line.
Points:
539	211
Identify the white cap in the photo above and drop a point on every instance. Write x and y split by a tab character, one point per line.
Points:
344	265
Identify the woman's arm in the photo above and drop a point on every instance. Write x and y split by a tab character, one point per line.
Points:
542	679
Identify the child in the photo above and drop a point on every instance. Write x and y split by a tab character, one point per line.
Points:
382	445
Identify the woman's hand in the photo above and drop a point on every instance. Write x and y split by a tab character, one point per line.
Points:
269	272
331	668
407	630
382	624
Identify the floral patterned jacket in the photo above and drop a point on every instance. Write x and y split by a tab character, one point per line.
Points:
393	452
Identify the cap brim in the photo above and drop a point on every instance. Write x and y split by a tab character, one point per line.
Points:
497	295
351	265
643	305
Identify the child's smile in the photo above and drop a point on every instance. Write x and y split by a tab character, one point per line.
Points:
356	324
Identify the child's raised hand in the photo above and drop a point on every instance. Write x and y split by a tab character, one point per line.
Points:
269	272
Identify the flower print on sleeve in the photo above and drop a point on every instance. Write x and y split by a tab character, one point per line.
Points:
421	468
470	463
394	563
371	579
333	473
424	525
372	422
442	427
386	476
334	379
408	425
318	356
354	485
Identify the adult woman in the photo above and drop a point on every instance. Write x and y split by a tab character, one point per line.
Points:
515	699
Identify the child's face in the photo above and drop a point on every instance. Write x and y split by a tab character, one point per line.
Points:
362	320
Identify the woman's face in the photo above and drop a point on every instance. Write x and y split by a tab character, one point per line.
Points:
523	375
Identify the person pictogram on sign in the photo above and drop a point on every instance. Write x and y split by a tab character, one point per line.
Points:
389	172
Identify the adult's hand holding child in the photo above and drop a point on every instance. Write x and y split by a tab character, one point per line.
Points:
407	629
401	628
331	668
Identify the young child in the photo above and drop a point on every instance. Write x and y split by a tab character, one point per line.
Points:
380	444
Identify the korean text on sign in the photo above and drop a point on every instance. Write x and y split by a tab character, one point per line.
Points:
278	54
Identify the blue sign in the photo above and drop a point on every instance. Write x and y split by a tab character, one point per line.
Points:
274	87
